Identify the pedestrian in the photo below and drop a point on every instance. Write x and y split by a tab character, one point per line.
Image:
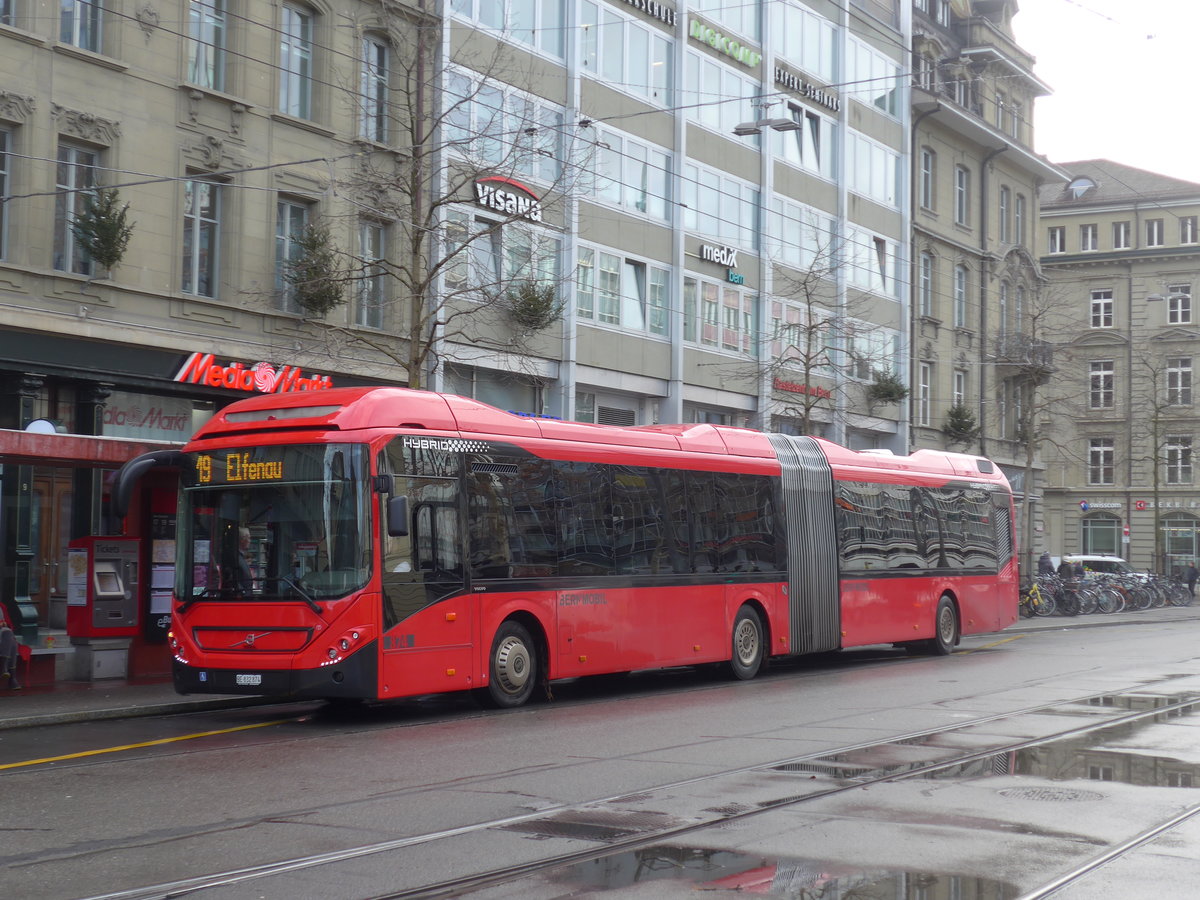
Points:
1066	570
1191	575
1045	564
1079	573
10	653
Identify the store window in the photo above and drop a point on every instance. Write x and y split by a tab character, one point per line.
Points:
1100	534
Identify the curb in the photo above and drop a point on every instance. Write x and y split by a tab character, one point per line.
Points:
66	717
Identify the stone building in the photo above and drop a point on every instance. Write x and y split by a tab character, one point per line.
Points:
1121	248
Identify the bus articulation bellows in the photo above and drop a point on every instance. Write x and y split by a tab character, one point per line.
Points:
384	542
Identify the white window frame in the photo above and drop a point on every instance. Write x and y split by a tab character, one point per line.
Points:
634	175
1056	236
928	178
544	35
1089	238
626	53
959	389
1121	234
200	257
372	250
1177	459
1179	380
1005	214
924	393
484	253
804	38
374	76
296	40
1179	304
1101	460
718	316
874	170
292	217
75	176
1100	309
717	206
206	43
6	140
809	147
1019	220
719	97
1154	233
81	24
926	275
1187	230
962	196
962	280
1101	378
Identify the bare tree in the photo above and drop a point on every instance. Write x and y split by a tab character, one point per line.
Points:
812	337
469	186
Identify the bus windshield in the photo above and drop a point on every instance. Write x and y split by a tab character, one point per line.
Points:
274	523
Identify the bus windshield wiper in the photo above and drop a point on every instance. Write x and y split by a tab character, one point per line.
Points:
304	595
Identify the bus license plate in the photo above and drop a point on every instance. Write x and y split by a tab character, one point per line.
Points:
249	679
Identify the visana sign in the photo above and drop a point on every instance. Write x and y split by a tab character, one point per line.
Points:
494	192
262	376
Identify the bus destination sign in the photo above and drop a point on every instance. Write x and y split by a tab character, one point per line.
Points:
236	467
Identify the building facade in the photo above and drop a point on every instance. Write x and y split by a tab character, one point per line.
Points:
1121	248
976	278
673	173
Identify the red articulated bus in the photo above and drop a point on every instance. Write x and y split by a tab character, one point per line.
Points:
384	542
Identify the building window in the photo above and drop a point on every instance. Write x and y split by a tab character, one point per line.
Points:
1005	214
924	393
625	53
928	178
1089	237
1100	388
1102	309
1177	459
1057	236
720	207
1179	304
873	169
925	277
1120	235
201	233
1154	232
1187	230
717	96
1179	381
959	389
291	218
295	62
1100	461
1100	534
373	90
79	24
1019	220
372	248
960	296
206	43
717	316
75	176
1003	312
1019	308
631	174
628	293
962	195
807	147
503	129
490	255
535	23
7	11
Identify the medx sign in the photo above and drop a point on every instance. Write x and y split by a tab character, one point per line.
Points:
722	256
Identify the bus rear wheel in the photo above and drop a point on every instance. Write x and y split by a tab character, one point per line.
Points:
513	666
749	645
946	628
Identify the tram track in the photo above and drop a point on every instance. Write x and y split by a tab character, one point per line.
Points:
626	823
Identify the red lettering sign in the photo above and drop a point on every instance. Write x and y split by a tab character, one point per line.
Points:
262	376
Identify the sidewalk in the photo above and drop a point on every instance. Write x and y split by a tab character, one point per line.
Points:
74	701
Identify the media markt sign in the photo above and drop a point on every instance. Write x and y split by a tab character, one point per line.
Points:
202	368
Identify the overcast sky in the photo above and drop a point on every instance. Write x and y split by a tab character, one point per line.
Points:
1124	76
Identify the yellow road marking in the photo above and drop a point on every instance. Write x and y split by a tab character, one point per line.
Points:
160	741
1015	637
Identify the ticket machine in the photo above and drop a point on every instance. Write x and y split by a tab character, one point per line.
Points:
102	587
103	591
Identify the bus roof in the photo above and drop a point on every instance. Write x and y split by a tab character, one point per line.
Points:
360	408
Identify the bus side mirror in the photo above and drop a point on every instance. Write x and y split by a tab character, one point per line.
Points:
397	516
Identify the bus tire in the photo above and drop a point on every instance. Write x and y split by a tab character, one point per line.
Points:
946	628
749	644
512	666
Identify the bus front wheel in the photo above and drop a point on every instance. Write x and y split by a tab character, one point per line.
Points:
749	646
946	628
513	666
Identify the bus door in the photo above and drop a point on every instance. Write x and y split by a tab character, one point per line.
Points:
428	618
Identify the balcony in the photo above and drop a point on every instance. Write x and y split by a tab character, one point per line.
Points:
1019	355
